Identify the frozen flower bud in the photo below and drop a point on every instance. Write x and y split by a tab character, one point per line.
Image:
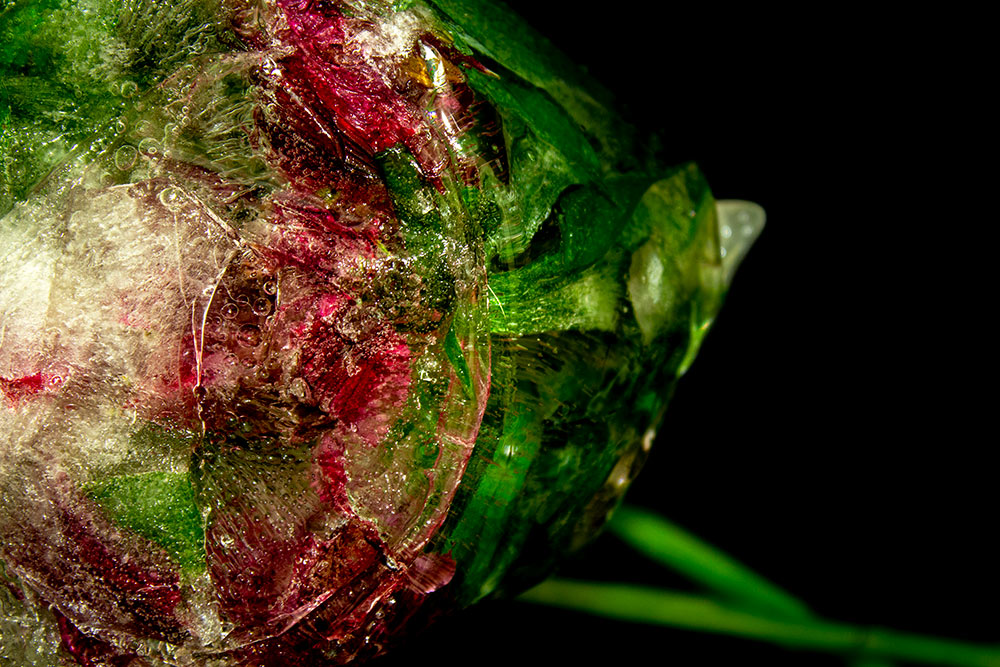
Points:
316	318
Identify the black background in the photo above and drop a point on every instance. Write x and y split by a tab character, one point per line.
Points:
835	434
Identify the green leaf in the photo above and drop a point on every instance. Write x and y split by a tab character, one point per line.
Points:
159	506
672	546
667	608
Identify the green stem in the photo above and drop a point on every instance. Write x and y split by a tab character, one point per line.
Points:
661	607
671	545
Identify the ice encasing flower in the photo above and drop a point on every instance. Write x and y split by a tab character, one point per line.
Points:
316	317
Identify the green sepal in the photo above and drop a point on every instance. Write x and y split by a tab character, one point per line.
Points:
159	506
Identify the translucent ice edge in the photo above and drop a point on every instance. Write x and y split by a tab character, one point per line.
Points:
740	223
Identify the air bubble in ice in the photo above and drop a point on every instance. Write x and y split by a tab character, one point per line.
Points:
261	306
172	198
125	157
249	335
230	310
149	146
